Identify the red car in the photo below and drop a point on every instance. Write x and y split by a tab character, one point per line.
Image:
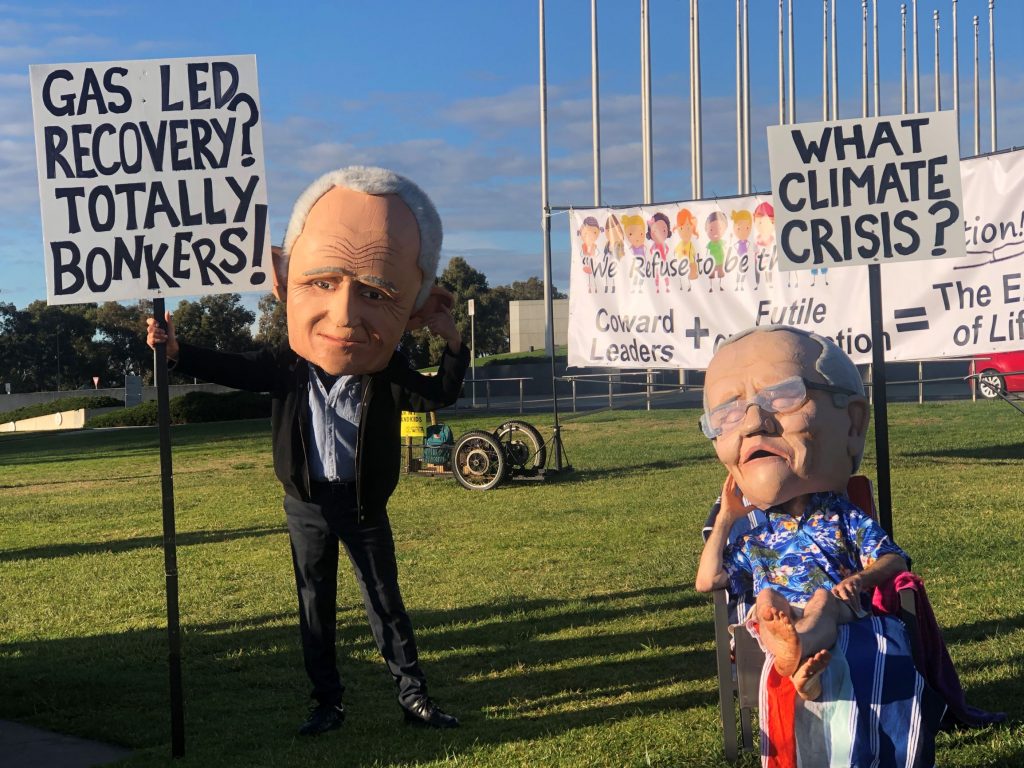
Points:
999	372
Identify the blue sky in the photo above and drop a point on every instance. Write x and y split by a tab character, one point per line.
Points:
446	93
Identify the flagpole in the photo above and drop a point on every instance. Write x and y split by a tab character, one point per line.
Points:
956	71
936	75
903	58
645	84
549	314
595	108
992	71
874	45
698	117
916	63
782	67
746	99
835	66
824	60
739	96
864	58
792	68
977	94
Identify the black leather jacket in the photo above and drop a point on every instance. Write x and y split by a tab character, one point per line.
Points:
385	395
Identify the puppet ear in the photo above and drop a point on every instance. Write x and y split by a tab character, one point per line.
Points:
280	281
439	300
860	415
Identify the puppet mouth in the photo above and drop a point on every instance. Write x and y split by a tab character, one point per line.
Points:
758	453
339	342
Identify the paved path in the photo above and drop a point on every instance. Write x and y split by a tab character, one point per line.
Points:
23	746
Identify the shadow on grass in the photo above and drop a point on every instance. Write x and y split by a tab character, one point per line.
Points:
1006	452
498	666
182	539
611	473
95	444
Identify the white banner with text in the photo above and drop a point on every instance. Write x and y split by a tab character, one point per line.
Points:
660	286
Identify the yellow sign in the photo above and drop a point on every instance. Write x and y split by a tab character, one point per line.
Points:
414	424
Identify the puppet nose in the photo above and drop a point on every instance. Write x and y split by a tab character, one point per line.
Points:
342	306
760	421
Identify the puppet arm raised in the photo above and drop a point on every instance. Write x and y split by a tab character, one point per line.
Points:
710	573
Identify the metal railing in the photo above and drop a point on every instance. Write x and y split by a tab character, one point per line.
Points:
649	389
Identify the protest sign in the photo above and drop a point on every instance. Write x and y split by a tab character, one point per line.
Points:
667	301
151	179
866	191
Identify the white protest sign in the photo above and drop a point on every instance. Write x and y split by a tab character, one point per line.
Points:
151	178
871	190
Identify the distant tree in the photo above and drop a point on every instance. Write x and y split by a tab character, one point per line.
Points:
273	325
218	322
120	335
46	348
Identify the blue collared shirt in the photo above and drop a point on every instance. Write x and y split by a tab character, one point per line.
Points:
334	418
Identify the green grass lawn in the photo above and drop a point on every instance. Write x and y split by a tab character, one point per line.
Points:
557	619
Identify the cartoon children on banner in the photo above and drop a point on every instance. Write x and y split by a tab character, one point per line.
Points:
614	248
685	250
589	231
741	226
636	233
715	228
658	230
764	242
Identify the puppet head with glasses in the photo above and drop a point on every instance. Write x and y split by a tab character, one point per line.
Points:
786	411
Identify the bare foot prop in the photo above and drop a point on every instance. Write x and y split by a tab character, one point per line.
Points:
807	679
780	637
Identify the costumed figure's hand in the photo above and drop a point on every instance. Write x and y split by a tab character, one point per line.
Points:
436	316
732	507
157	335
443	324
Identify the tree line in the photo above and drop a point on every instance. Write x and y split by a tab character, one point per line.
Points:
45	348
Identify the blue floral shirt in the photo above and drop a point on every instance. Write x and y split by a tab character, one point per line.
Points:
795	557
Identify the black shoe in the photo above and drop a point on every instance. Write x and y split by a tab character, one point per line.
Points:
423	711
323	718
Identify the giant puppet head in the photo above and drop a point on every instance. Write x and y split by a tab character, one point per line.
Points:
786	411
357	268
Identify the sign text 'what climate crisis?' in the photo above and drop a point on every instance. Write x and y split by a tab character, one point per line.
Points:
872	190
151	178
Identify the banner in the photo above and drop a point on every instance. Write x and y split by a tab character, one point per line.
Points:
151	180
660	286
854	192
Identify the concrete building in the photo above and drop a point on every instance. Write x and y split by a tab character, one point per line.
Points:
526	329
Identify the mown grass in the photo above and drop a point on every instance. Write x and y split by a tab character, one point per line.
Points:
557	619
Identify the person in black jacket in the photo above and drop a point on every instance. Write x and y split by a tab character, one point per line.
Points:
356	270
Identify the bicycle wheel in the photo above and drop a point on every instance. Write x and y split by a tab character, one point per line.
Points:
478	461
523	444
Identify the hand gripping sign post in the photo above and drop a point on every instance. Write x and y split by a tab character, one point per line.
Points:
151	184
868	191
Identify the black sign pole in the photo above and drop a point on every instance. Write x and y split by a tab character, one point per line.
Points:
170	549
878	396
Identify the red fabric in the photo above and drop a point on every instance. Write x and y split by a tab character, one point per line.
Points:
938	667
781	706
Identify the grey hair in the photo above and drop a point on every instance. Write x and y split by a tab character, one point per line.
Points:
375	181
834	365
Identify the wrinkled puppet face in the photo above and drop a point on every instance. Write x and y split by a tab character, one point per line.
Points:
352	281
777	457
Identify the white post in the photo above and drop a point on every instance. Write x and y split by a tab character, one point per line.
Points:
471	311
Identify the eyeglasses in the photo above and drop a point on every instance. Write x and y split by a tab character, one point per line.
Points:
785	397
